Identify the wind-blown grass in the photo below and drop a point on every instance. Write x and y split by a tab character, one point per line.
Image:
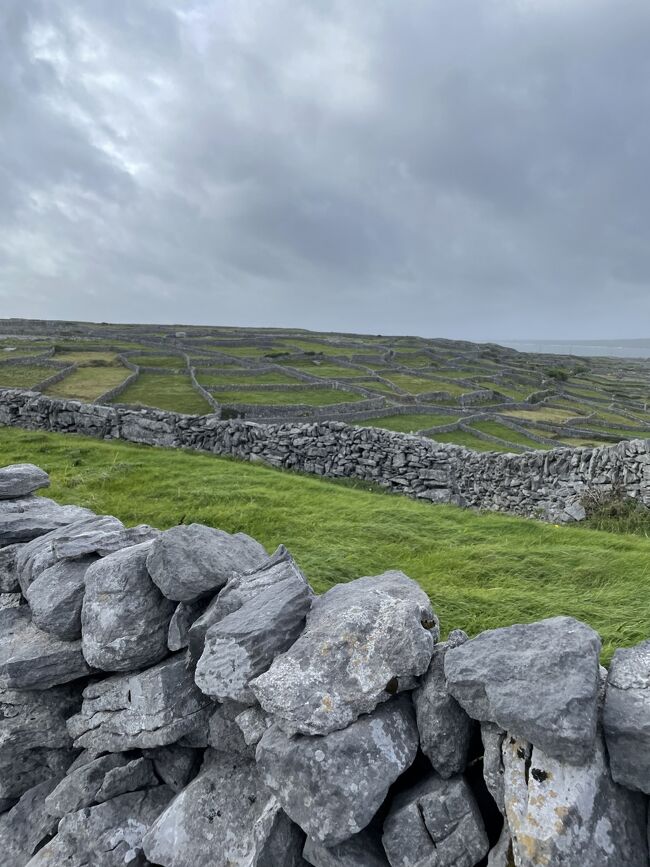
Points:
480	570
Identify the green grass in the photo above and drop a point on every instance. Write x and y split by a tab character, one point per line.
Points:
88	383
501	430
463	438
86	357
409	423
23	375
480	570
171	391
415	385
324	369
237	377
174	362
308	396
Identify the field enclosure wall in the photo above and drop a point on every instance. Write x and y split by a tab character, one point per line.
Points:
545	484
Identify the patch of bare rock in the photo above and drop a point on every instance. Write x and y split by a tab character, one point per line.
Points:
184	699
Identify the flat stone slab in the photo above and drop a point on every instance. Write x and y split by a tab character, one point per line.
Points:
150	708
19	480
332	786
224	816
27	518
363	642
32	659
124	617
187	562
108	835
539	681
245	643
626	717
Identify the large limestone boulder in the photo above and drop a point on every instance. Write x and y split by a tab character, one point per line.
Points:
27	518
34	742
362	643
435	822
151	708
32	659
445	728
224	816
539	681
333	785
626	717
565	815
187	562
245	643
124	617
108	835
20	480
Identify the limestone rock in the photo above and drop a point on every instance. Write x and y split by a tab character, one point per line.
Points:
493	737
445	729
56	596
333	785
29	517
175	765
362	850
245	643
253	722
151	708
626	717
360	640
80	786
32	659
124	618
105	536
538	680
224	733
11	600
188	561
8	572
435	822
224	816
34	742
26	825
19	480
109	835
568	815
136	774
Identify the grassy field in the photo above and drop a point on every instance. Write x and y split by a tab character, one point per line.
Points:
237	377
174	362
173	392
480	570
88	357
88	383
409	423
23	375
307	396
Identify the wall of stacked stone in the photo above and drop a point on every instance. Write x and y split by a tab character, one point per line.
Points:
56	377
110	395
223	715
546	484
39	356
205	394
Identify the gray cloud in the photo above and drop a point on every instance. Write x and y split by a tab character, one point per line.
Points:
473	169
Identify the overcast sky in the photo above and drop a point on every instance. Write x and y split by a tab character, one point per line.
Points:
461	168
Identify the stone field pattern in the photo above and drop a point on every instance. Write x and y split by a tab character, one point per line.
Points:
184	699
483	396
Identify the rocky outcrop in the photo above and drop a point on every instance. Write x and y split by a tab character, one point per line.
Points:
183	699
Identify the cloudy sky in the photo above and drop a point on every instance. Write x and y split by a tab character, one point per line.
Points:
461	168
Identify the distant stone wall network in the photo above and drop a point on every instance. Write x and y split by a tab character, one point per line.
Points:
184	699
545	484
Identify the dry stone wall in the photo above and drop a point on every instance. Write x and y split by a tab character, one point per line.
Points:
184	699
545	484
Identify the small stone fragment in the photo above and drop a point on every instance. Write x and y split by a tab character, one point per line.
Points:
333	785
360	641
435	822
187	562
539	681
253	722
124	618
178	634
175	765
8	571
134	775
